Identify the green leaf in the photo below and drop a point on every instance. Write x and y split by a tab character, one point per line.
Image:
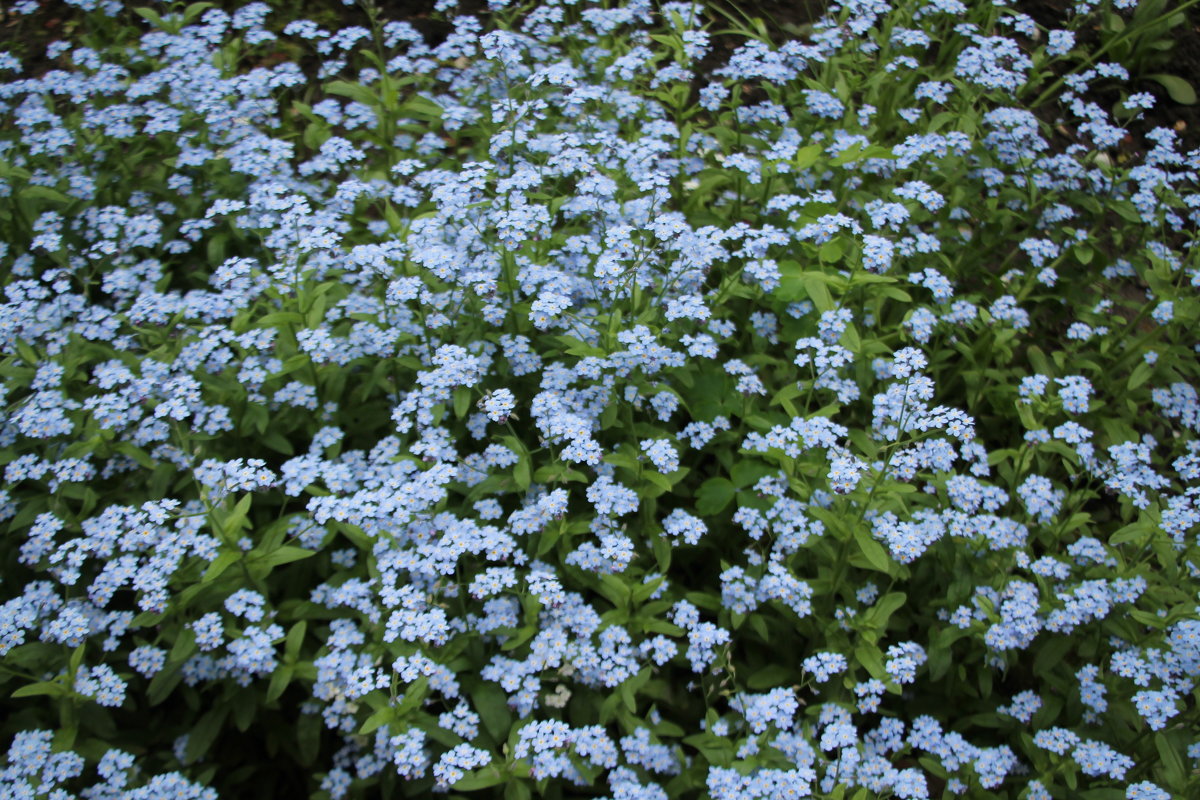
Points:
713	496
630	687
48	688
295	638
232	524
244	708
1180	90
136	453
548	538
279	682
1135	532
716	750
615	590
831	252
165	681
279	319
895	293
818	292
151	16
748	471
481	779
414	696
284	555
1141	373
308	736
623	460
421	108
1126	211
662	551
462	401
558	473
642	593
194	10
28	353
316	313
36	192
76	659
882	611
662	626
204	733
807	156
852	340
517	790
354	91
523	635
784	397
275	441
185	645
939	653
772	676
521	473
8	171
671	41
491	704
869	657
662	482
377	720
256	417
1173	766
851	153
1051	654
1148	619
147	619
873	551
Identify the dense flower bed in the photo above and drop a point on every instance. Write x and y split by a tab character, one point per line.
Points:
531	413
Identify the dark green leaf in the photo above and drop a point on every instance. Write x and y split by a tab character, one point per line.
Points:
713	496
204	733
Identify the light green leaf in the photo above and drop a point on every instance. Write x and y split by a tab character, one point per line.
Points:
284	555
807	156
421	108
462	401
868	656
1180	90
354	91
151	16
521	473
377	720
48	688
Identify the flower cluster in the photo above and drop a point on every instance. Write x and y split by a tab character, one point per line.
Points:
565	401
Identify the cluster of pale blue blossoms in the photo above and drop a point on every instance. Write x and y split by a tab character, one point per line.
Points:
494	504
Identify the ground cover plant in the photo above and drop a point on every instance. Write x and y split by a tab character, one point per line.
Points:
528	412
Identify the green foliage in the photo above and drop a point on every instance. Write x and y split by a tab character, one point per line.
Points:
544	411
